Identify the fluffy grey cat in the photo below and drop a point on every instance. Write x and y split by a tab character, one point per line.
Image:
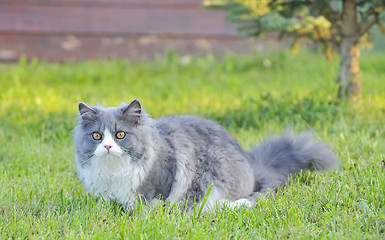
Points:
122	154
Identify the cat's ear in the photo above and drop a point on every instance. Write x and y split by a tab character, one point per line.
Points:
86	112
133	110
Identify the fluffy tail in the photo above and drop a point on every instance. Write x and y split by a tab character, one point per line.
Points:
278	157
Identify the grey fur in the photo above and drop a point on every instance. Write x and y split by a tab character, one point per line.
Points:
181	156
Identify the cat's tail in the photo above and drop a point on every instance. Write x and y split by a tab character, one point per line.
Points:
279	157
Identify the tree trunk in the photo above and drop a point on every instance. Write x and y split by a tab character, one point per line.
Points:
349	75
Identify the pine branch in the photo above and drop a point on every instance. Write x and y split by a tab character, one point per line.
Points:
365	15
365	26
334	18
330	14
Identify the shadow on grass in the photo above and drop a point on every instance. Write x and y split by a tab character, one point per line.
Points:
285	110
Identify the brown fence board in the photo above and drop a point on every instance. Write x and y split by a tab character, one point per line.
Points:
61	30
110	3
160	2
115	21
62	48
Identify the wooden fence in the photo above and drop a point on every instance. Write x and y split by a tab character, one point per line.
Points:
61	30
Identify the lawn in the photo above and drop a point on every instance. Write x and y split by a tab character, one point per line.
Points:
251	96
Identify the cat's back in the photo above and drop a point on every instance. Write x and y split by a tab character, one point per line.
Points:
193	129
189	124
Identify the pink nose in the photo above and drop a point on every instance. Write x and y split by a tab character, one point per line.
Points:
108	147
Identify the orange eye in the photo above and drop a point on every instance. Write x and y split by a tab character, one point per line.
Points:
96	136
120	135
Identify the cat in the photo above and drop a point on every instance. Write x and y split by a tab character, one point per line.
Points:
124	155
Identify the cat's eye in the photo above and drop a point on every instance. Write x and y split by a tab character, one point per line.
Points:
120	135
96	136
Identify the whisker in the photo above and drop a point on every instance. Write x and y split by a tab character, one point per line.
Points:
87	158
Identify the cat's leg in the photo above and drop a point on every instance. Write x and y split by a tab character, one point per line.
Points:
217	199
240	202
182	180
214	199
214	202
249	202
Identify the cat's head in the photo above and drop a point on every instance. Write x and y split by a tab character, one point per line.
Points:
110	133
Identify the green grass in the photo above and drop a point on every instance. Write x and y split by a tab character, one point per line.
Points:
41	197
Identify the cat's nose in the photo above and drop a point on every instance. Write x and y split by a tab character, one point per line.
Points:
108	147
